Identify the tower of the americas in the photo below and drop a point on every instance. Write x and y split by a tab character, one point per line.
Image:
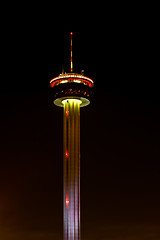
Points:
71	91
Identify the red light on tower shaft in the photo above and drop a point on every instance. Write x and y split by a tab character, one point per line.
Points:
67	154
67	201
67	113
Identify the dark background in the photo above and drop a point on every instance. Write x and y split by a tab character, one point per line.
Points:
120	133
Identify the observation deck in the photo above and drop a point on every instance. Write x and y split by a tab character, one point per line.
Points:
71	86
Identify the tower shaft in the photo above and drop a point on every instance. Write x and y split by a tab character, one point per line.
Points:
71	168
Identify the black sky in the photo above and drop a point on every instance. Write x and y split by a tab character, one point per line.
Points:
119	134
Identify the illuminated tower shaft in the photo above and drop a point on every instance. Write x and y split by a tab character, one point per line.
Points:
71	168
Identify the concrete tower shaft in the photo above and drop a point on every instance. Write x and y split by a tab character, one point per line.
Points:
71	168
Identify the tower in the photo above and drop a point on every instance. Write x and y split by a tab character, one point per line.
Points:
71	91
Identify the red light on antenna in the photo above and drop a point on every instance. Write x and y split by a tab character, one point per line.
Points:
71	33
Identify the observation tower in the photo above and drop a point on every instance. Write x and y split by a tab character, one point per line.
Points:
71	91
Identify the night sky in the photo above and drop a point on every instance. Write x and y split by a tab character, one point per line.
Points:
120	134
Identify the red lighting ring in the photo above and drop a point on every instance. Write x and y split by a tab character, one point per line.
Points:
71	80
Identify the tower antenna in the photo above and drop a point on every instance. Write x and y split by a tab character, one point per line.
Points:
71	53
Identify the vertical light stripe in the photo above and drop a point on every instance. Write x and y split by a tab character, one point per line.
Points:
79	169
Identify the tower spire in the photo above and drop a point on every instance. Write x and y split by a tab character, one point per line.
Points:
71	53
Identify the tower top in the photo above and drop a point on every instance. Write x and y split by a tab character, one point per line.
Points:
72	86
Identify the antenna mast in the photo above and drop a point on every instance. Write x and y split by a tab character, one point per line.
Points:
71	53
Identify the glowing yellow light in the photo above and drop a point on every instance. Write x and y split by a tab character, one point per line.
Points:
64	81
77	81
70	100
